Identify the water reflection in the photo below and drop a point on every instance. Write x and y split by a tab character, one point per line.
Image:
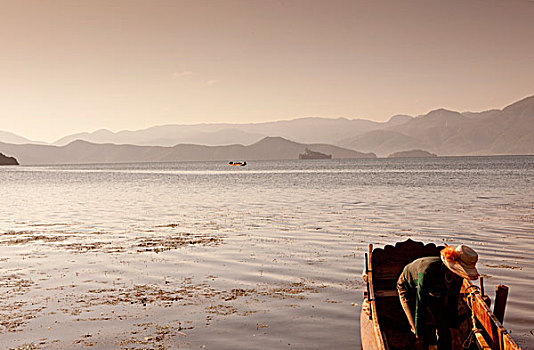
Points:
286	238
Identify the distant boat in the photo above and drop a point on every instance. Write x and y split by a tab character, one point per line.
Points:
309	154
237	163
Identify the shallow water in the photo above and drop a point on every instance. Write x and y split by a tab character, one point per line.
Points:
199	254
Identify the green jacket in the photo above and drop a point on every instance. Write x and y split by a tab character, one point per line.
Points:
424	285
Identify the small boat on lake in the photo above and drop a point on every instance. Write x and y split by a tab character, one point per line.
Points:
383	324
237	163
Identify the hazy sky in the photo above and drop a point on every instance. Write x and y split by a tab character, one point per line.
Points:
70	66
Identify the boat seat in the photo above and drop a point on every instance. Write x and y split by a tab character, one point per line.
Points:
386	294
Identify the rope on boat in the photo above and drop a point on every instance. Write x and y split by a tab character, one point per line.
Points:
471	337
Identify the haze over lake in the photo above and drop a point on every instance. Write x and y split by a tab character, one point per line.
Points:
270	255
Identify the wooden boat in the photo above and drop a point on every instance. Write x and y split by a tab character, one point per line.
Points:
237	163
383	324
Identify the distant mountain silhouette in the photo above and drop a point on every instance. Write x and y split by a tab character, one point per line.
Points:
444	132
415	153
385	142
5	160
269	148
170	135
398	120
6	136
305	130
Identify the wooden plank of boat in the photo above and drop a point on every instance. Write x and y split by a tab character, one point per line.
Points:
481	341
382	321
497	337
368	330
371	334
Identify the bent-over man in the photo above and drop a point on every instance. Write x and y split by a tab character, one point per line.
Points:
429	288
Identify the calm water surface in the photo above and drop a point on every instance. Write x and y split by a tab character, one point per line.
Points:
203	255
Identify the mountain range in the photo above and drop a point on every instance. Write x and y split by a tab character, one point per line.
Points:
444	132
80	152
305	130
441	131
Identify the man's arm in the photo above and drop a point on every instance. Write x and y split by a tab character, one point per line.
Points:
452	302
452	308
420	304
403	296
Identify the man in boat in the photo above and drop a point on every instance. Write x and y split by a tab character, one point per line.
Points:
429	288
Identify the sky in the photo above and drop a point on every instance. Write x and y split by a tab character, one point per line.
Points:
71	66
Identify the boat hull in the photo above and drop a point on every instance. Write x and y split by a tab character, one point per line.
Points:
367	330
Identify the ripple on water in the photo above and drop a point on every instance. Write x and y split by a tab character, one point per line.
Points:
258	258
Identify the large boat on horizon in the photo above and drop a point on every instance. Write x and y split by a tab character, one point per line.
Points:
309	154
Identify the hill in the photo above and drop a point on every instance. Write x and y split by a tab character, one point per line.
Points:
78	152
415	153
441	131
304	130
494	132
9	137
5	160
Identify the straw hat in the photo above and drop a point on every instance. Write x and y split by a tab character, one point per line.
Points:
461	261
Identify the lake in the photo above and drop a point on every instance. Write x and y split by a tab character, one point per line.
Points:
204	255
